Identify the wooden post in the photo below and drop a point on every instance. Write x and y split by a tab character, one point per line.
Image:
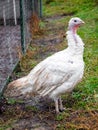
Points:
4	16
14	9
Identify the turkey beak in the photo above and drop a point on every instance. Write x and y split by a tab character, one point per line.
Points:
82	22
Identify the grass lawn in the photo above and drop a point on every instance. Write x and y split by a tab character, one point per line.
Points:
82	104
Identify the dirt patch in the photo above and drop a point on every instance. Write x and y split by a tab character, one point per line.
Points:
24	116
27	115
57	17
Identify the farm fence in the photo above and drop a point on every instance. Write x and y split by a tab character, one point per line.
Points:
15	34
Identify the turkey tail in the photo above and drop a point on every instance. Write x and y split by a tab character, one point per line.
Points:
18	83
18	87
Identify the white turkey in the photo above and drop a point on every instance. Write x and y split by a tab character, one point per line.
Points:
59	73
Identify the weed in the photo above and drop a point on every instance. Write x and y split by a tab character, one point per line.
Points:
33	108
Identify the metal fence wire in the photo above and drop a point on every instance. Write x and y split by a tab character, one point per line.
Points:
15	34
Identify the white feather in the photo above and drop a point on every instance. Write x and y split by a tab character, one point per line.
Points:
58	73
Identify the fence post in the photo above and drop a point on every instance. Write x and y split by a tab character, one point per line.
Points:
14	10
40	8
22	19
4	16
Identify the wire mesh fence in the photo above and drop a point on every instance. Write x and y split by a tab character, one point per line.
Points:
15	33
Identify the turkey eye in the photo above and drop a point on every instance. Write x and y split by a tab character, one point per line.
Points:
75	20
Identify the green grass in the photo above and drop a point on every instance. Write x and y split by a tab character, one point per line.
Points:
85	96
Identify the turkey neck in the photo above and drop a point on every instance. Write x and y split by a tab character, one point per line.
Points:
75	43
73	30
